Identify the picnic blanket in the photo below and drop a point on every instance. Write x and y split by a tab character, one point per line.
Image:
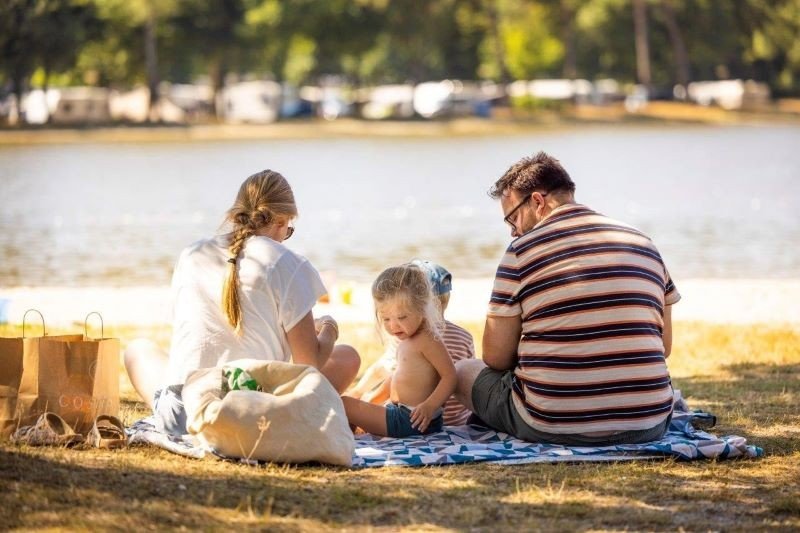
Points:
685	440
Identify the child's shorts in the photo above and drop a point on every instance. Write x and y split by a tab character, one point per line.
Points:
398	421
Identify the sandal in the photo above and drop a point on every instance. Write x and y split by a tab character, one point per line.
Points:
49	430
108	432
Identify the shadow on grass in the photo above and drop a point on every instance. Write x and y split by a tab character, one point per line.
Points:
125	492
40	492
118	493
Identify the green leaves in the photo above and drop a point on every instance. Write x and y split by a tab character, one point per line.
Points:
382	41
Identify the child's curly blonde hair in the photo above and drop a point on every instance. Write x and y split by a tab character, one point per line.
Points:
409	283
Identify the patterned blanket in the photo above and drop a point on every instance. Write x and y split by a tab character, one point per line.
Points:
685	440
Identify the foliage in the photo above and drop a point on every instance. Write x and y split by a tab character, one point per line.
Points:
104	42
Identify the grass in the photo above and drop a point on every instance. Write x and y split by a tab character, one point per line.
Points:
748	375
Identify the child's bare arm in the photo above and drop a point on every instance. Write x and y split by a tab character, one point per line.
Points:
436	354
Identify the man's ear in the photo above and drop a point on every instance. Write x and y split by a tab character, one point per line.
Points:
538	200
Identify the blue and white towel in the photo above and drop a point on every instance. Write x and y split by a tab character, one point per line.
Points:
471	444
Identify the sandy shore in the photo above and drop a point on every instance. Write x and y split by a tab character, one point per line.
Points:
707	300
504	121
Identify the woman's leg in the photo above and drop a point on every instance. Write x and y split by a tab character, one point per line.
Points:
146	364
342	367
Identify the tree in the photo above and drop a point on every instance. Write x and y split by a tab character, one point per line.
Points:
642	43
45	34
568	10
773	48
527	32
17	37
62	29
211	31
679	53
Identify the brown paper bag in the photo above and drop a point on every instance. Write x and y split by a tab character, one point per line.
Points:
75	376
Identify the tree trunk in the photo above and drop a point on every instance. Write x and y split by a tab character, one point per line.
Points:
45	87
570	70
18	54
642	45
499	49
678	44
18	80
218	72
151	66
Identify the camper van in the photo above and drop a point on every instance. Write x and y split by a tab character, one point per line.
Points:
730	94
134	106
251	101
389	101
449	98
82	105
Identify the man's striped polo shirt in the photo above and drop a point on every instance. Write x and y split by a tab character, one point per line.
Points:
590	292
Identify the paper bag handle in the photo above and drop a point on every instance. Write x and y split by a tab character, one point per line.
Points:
86	320
44	328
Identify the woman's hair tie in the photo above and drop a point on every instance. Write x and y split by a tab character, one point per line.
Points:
232	260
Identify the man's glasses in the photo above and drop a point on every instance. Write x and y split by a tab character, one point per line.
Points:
510	214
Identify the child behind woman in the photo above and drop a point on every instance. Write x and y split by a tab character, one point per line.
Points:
425	376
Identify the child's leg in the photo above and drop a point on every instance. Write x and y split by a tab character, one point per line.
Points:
369	417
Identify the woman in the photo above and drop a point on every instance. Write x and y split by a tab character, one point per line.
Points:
241	295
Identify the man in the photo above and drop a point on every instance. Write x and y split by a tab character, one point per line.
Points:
579	322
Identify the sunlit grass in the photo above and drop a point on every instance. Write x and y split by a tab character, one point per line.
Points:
747	375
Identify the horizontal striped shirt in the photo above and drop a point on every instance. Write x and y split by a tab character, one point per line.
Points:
590	293
460	345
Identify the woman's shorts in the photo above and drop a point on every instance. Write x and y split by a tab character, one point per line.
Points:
169	411
398	421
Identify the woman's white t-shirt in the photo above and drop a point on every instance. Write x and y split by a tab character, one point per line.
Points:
277	288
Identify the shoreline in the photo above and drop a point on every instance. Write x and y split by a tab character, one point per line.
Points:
717	301
506	122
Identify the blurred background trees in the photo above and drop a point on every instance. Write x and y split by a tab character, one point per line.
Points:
660	43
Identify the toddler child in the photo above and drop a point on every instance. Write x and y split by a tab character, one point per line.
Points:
425	376
374	385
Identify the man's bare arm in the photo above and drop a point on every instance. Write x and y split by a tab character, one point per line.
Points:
501	341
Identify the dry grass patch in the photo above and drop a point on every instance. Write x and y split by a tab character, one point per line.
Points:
748	375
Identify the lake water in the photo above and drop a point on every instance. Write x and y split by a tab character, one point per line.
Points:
719	202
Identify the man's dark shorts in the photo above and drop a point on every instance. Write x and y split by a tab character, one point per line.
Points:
493	403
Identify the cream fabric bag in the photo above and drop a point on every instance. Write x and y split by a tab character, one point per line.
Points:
299	416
